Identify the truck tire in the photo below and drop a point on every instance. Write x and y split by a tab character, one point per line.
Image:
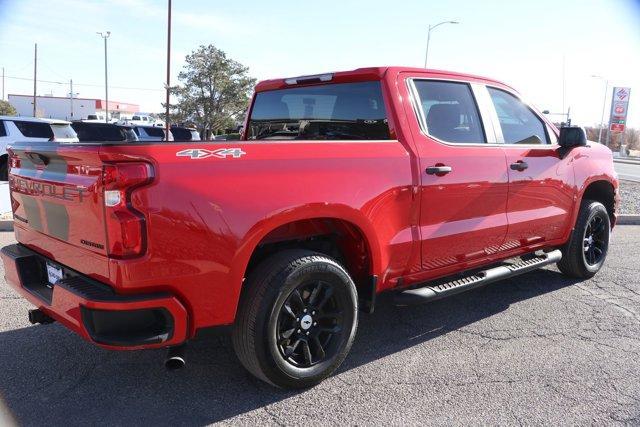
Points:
297	319
587	248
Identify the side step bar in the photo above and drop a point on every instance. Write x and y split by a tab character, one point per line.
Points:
476	280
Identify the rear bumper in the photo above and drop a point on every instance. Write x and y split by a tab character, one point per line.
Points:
94	310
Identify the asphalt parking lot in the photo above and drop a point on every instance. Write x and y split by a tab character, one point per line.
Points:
536	349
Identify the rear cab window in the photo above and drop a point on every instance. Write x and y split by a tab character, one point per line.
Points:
339	111
34	129
449	111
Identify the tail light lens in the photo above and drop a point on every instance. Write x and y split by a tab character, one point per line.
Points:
125	226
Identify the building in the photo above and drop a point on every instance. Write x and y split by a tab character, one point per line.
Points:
55	107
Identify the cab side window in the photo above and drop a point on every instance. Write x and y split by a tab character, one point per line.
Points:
450	111
518	123
3	131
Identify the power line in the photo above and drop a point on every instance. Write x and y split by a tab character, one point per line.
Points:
82	84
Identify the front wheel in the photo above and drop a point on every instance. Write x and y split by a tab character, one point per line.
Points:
584	254
297	319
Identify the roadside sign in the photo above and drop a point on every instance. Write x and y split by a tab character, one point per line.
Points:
616	127
619	106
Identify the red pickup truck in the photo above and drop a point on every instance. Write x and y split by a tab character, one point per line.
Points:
344	185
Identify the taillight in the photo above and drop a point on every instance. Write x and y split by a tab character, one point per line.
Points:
126	227
14	160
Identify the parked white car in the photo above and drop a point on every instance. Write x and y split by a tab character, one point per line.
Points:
98	118
62	130
14	129
142	120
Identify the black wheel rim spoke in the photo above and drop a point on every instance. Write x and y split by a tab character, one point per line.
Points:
287	334
310	324
320	354
287	309
297	299
307	352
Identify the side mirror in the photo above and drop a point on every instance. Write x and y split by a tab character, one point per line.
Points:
572	136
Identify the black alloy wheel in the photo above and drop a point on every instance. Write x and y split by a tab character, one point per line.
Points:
310	324
595	240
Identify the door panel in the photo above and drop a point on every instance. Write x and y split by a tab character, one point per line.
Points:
463	209
541	185
463	213
540	197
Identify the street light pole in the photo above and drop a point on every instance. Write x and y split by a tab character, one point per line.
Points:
105	36
166	118
433	27
604	105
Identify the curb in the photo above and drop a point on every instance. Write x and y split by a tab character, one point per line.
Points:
629	162
628	220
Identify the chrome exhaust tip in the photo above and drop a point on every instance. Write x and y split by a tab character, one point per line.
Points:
175	358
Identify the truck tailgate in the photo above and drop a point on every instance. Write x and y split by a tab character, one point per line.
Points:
57	199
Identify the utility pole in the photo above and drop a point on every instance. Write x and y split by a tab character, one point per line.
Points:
604	103
105	36
3	83
166	119
71	98
35	74
564	83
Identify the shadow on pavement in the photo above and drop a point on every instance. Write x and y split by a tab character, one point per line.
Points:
49	375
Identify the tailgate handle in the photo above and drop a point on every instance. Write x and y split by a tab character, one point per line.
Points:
38	159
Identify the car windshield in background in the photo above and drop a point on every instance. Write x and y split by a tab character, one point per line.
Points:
344	111
34	129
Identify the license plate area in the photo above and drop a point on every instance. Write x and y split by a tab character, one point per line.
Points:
54	274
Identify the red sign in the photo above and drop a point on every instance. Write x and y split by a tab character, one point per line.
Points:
616	127
619	106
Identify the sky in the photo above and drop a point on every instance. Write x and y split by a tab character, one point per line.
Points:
526	44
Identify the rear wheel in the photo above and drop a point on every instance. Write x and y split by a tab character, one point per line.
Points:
586	251
297	319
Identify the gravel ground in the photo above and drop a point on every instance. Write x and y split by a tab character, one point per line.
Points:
537	349
630	197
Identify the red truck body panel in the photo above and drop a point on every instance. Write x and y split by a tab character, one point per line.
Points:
204	218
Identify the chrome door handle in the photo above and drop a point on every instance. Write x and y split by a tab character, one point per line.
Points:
519	166
438	170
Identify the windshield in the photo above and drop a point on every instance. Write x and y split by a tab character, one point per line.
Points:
344	111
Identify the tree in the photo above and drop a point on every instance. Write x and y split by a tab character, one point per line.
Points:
213	93
7	109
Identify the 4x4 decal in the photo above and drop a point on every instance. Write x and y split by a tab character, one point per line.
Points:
202	153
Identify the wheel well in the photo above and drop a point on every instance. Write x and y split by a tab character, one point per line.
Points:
336	238
603	192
